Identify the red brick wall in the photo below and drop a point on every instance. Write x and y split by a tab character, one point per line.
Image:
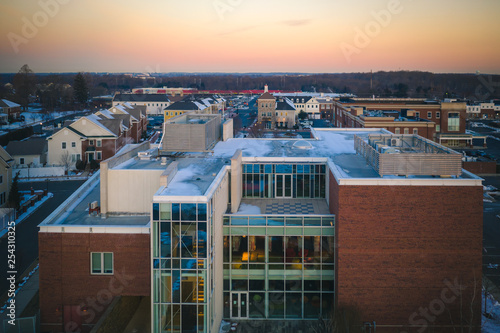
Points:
396	246
480	167
65	277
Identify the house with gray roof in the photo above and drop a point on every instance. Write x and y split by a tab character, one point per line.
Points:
32	151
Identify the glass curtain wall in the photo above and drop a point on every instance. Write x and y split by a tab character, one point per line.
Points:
274	180
283	272
179	240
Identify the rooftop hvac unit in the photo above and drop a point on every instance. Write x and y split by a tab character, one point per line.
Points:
93	205
144	155
395	142
163	161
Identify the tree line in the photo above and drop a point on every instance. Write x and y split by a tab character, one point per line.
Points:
74	90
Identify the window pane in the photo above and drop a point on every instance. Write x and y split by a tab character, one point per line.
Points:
156	211
108	263
188	239
202	240
257	247
166	294
276	305
188	212
175	211
189	318
165	239
202	212
293	305
257	305
96	263
165	211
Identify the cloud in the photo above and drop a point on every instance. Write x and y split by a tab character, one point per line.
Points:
296	23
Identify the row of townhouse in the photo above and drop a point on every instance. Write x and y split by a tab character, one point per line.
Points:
154	103
98	136
159	103
198	104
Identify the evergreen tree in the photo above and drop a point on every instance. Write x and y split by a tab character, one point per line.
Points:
14	196
81	91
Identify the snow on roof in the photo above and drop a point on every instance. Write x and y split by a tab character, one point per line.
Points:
289	102
246	209
249	147
106	113
10	104
96	120
200	106
180	184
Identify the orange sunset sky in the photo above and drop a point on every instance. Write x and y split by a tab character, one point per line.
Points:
326	36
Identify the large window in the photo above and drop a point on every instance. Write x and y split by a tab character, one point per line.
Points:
101	263
453	122
284	180
180	263
283	272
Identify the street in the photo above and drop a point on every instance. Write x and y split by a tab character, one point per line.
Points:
27	231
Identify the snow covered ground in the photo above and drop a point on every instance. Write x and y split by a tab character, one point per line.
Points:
34	116
29	211
491	325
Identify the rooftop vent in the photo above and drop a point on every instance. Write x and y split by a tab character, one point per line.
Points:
144	155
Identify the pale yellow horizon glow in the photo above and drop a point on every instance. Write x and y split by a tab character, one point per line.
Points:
318	36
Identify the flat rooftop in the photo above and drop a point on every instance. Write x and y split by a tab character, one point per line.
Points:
197	171
77	213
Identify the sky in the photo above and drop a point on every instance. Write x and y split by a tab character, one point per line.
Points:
314	36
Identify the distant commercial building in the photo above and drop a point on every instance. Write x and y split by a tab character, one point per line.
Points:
270	230
443	122
276	112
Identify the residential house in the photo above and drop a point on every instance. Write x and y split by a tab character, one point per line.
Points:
32	151
286	116
11	109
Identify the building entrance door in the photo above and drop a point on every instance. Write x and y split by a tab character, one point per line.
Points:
239	305
283	186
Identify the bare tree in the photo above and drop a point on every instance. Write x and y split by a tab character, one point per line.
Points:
257	130
65	160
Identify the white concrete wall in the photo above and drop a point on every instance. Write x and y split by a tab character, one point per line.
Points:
219	203
54	171
131	191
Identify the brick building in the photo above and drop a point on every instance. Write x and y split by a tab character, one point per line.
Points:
443	122
262	230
